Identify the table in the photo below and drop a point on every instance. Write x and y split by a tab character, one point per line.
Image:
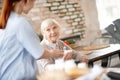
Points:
103	53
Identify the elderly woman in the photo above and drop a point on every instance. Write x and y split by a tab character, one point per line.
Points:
50	30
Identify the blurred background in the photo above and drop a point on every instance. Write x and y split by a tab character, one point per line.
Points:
86	18
81	20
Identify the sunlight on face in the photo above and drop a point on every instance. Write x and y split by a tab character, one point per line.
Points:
52	33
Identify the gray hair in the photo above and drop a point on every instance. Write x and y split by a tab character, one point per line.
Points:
46	23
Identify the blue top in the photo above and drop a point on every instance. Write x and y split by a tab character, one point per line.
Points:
19	49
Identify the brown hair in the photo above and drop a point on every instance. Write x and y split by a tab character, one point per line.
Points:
7	8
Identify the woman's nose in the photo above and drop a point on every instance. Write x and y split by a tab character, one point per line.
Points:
52	31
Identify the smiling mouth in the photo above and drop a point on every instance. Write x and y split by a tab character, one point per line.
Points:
53	35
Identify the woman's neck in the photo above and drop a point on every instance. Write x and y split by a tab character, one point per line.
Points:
18	7
49	42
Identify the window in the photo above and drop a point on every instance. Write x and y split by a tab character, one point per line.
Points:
108	11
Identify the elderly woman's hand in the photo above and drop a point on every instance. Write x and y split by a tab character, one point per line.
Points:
68	54
84	59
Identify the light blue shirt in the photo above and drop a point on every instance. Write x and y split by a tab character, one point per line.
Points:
19	49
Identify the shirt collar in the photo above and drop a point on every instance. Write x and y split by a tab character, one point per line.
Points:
52	45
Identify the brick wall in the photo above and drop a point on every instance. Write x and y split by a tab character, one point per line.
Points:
75	16
67	12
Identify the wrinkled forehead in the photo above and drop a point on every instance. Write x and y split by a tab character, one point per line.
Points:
50	25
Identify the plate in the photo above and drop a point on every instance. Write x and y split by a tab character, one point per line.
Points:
85	52
95	47
77	72
73	45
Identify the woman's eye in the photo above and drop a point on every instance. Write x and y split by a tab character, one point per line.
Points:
48	30
54	27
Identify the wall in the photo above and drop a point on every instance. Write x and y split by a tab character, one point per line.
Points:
75	16
67	12
91	20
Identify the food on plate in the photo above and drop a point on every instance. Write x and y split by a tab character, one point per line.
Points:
85	52
95	47
77	72
53	75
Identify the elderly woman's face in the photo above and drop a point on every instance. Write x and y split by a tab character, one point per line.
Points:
51	33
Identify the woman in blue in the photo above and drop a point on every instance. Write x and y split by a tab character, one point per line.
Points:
19	45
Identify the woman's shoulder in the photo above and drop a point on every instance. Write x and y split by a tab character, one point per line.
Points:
20	20
23	23
61	42
43	43
16	21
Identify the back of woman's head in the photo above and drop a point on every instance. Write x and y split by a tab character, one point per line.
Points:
8	6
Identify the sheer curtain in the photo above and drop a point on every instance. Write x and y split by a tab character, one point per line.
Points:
108	11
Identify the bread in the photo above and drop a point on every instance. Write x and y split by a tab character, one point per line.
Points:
53	75
77	72
95	47
85	52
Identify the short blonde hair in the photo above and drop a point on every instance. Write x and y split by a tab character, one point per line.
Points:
46	23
